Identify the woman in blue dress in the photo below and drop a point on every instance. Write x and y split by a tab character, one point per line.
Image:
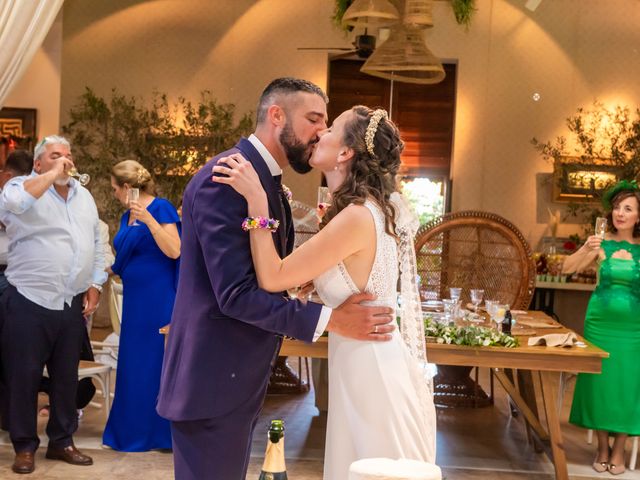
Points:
147	251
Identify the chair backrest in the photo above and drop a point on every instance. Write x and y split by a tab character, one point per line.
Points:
473	249
115	305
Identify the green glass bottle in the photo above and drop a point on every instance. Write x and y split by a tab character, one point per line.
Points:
273	467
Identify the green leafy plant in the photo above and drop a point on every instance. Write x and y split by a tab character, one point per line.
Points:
471	336
171	141
463	10
597	135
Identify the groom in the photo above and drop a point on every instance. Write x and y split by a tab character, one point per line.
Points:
225	331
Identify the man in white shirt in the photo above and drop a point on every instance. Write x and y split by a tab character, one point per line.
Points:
55	271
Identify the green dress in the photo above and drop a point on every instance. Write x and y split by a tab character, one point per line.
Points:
610	401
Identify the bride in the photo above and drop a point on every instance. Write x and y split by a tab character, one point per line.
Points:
380	401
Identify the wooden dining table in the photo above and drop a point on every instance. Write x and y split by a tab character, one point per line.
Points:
538	369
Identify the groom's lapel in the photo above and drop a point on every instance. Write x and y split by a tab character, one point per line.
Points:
270	187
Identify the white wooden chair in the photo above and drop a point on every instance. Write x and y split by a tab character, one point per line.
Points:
101	373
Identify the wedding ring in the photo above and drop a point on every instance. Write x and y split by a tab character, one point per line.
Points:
375	329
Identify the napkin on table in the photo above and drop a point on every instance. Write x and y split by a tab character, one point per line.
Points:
568	339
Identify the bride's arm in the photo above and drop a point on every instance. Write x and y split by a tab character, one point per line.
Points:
347	233
344	235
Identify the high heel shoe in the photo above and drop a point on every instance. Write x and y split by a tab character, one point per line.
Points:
616	469
600	467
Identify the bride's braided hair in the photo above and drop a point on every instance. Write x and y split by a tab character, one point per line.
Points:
370	175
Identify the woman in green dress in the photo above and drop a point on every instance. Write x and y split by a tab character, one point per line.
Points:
610	402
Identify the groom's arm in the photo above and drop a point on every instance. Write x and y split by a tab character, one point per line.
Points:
218	212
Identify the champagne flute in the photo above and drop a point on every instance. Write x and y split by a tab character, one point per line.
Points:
83	178
324	202
601	227
133	195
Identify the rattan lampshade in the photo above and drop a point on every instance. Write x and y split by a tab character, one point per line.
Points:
418	13
370	13
405	57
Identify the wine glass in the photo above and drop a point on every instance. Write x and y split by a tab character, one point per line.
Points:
324	202
83	178
490	306
499	310
601	227
476	297
133	195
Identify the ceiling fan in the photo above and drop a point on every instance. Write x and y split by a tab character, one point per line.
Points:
364	45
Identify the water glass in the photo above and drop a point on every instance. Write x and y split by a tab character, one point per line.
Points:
450	307
133	195
601	227
455	293
476	297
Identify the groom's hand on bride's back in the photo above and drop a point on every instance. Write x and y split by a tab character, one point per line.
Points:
362	322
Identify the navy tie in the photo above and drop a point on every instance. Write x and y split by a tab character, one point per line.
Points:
283	210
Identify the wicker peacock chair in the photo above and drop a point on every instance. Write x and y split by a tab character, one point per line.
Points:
472	249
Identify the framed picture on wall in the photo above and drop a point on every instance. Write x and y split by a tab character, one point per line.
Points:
17	130
577	180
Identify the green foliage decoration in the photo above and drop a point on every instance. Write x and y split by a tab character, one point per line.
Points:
173	141
472	336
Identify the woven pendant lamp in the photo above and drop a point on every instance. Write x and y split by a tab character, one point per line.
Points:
370	13
405	57
419	13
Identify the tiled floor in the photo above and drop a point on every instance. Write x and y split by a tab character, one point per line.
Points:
472	444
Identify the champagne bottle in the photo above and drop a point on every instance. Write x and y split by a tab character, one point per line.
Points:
506	322
273	467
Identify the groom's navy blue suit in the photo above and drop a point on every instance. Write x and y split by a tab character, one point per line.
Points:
225	331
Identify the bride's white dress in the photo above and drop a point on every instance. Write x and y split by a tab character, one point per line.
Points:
375	409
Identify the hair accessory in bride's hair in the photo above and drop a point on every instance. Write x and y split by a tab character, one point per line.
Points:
140	176
372	128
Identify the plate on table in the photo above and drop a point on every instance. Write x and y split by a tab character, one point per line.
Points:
535	323
521	331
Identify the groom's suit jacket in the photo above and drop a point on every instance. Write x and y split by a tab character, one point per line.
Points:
225	331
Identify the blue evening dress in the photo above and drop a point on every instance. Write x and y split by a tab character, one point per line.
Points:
149	280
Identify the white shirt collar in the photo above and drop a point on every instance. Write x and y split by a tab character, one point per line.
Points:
273	166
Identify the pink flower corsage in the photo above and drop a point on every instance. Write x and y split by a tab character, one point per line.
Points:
253	223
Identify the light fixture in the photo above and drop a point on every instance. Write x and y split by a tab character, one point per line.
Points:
418	13
405	57
370	13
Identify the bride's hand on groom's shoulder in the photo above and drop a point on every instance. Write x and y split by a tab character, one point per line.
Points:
237	172
362	322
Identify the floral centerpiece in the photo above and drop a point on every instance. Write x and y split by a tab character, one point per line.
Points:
471	335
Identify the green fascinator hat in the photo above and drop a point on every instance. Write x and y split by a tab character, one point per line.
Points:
622	185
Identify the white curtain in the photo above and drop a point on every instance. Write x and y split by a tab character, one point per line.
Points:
23	26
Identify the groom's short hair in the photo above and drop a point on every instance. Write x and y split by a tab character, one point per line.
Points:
285	86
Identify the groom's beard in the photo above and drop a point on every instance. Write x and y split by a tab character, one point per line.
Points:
297	152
